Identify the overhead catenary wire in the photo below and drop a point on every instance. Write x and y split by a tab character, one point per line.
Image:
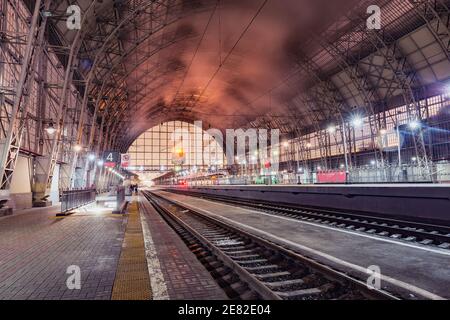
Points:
205	30
222	62
219	67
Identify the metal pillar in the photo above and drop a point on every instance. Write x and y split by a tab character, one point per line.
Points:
11	144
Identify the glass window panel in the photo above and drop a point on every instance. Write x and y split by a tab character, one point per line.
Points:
154	148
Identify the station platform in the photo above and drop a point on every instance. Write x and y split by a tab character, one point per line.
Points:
406	268
132	256
38	249
176	274
408	201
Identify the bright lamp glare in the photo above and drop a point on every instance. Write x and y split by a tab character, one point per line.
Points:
50	129
414	124
100	163
77	148
357	121
91	157
331	129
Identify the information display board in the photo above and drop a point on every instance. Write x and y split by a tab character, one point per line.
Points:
111	159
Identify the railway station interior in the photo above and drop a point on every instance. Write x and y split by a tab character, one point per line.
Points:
231	150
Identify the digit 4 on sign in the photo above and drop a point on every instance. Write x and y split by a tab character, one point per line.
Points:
111	158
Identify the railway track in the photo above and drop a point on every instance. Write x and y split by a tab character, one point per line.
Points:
249	267
409	231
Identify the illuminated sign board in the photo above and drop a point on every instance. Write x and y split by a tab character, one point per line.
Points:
111	158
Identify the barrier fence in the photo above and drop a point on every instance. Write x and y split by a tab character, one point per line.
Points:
121	202
72	199
434	173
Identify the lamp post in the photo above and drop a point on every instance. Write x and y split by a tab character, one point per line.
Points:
331	131
357	122
399	154
50	128
344	138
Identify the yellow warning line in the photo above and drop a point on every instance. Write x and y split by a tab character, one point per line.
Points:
132	279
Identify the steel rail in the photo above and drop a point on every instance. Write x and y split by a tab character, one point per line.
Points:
332	276
410	231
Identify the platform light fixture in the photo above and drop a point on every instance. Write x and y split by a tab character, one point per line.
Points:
414	124
357	121
100	163
331	128
50	128
91	157
372	162
77	148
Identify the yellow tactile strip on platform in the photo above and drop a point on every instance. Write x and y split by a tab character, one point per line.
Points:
132	280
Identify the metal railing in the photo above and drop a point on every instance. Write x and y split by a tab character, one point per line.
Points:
438	172
72	199
120	196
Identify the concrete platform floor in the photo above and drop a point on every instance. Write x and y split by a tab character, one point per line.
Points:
404	267
37	248
135	256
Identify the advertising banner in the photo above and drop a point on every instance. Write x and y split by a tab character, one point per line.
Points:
331	177
125	160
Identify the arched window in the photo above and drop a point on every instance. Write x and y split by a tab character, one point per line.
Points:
173	145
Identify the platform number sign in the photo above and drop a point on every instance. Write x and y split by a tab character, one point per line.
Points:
111	158
125	160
